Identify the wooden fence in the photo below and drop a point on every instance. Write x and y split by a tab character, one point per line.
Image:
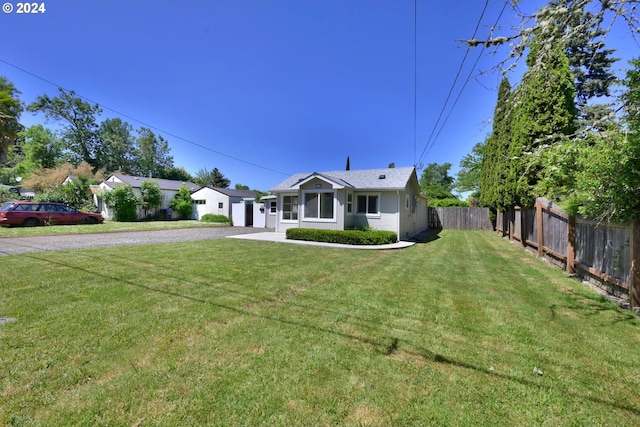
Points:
459	218
606	252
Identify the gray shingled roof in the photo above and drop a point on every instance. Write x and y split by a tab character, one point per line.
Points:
365	179
245	194
165	184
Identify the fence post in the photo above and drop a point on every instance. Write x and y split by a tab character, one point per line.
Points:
634	279
523	237
512	222
540	229
571	245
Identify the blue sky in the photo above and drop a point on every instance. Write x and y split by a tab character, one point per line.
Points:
265	88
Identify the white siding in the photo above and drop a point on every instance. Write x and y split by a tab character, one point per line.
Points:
212	200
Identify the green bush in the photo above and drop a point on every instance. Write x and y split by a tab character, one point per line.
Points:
448	203
182	202
214	218
346	237
123	201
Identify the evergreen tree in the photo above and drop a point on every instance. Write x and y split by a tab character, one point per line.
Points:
544	113
496	162
10	110
214	179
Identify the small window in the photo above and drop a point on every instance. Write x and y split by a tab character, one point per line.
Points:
272	207
368	204
349	203
200	202
289	208
220	205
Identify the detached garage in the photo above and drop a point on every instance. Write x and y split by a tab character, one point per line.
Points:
218	201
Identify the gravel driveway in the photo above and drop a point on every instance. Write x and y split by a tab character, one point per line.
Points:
19	245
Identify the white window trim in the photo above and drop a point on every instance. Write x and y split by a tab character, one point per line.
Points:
314	191
349	203
289	221
272	203
368	215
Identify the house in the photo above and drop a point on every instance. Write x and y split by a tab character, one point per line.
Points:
218	201
168	187
383	199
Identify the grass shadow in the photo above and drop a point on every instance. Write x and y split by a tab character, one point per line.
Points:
427	235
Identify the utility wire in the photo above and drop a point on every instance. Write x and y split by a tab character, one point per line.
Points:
150	126
415	79
465	82
430	141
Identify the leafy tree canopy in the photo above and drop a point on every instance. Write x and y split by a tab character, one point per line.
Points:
10	110
435	181
80	133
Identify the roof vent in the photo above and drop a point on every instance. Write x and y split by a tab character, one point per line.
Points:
382	177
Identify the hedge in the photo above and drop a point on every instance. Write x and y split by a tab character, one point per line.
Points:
214	218
346	237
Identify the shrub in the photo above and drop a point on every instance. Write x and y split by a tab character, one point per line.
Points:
123	201
449	203
346	237
214	218
182	202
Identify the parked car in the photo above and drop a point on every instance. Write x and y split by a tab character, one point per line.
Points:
44	213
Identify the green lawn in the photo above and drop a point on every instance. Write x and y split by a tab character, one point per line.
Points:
107	227
231	332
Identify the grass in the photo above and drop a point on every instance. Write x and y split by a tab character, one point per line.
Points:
106	227
231	332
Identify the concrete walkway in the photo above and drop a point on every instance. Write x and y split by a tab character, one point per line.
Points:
281	238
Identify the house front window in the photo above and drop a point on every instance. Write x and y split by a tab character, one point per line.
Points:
368	204
289	208
349	203
220	205
272	207
319	205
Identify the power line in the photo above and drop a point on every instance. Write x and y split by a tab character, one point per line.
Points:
150	126
430	140
415	79
455	102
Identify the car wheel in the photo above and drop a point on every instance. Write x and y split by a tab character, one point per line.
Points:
91	220
31	222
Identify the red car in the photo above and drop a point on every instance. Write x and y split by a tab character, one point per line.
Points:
44	213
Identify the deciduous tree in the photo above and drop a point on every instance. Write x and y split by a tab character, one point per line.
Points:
435	181
80	133
150	196
153	157
182	202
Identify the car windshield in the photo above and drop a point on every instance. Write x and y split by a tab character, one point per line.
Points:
6	206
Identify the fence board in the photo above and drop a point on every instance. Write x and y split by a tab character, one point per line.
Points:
460	218
599	250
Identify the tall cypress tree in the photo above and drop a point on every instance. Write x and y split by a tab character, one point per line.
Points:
544	113
495	162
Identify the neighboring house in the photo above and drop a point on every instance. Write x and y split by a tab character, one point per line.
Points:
218	201
382	199
168	187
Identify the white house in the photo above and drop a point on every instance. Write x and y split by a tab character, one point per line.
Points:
218	201
383	199
168	187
